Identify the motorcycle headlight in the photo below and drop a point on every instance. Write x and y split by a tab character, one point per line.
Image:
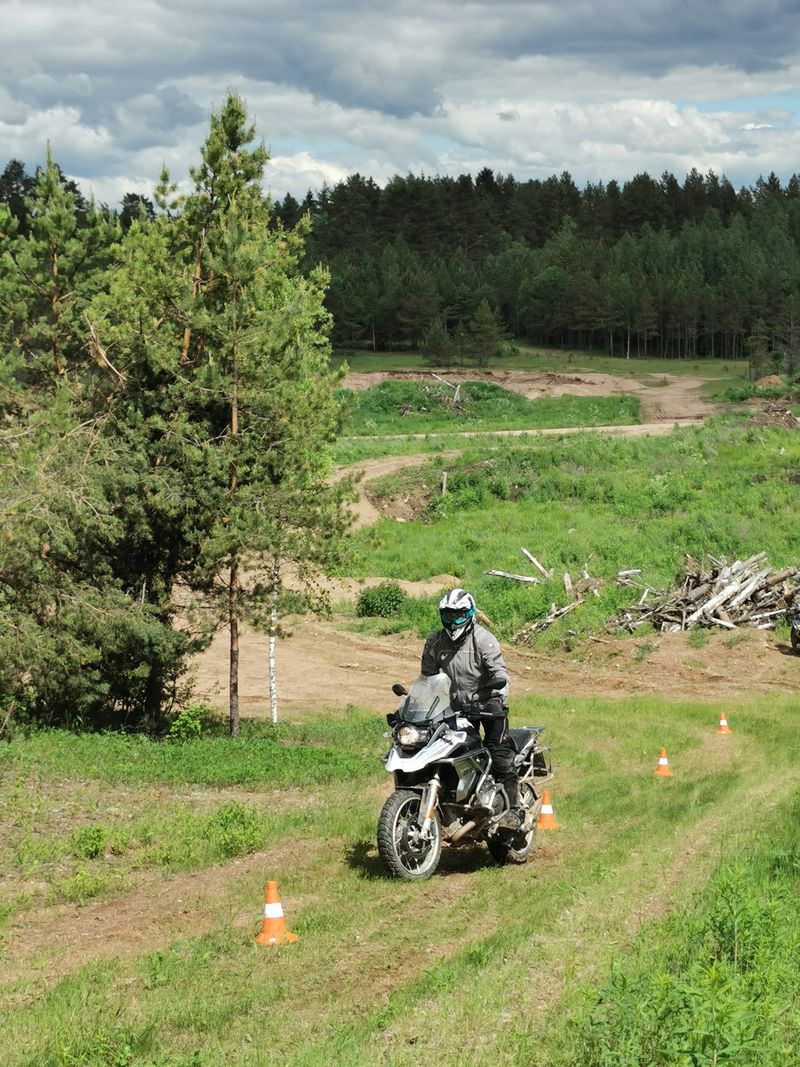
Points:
411	736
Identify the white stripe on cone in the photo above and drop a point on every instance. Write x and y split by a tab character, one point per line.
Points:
723	721
547	809
273	911
663	761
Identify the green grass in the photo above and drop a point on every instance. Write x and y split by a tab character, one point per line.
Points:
398	974
265	755
739	391
109	817
717	982
401	407
558	360
613	503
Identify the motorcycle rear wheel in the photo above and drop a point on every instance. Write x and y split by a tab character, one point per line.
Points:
795	639
405	853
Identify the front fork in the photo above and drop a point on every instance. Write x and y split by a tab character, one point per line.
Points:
427	805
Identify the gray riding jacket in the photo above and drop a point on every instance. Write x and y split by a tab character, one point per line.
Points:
469	665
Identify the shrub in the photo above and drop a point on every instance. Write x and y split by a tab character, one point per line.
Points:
88	842
191	723
384	601
235	829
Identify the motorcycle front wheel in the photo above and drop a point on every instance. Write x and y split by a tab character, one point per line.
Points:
402	847
795	638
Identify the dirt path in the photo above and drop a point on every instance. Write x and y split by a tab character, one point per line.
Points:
638	429
663	396
323	666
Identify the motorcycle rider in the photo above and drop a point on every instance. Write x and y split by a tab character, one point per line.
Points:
470	656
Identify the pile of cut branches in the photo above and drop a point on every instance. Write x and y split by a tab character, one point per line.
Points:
717	593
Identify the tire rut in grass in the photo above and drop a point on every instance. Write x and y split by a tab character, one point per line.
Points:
56	940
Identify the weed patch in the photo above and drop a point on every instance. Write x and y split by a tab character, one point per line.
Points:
80	887
88	842
235	829
401	407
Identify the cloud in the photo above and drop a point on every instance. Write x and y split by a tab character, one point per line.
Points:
602	88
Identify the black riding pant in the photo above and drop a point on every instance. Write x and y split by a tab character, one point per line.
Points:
497	740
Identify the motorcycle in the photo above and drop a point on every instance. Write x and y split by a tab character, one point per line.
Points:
444	790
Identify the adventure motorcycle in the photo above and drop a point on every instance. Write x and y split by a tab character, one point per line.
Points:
444	790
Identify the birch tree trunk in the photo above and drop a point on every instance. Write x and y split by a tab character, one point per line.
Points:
273	636
233	621
233	590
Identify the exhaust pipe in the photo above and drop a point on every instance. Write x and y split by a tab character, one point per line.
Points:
462	831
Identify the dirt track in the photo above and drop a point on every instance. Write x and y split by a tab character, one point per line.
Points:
321	665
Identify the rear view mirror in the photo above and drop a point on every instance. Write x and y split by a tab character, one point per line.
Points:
399	690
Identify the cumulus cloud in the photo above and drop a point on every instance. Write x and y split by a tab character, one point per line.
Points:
602	88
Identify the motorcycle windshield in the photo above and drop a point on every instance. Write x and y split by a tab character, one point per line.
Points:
429	698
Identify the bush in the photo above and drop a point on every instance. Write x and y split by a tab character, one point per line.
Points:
235	829
88	842
191	723
383	601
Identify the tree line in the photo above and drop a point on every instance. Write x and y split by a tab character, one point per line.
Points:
166	412
651	266
647	267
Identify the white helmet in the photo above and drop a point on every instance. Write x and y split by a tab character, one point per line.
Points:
457	612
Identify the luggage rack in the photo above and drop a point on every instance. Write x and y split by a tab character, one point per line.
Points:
542	763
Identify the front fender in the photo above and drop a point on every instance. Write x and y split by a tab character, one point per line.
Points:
432	753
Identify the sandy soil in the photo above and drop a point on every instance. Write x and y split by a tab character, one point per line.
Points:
322	665
669	396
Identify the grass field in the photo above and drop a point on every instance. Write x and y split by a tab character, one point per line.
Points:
611	503
478	963
398	407
558	360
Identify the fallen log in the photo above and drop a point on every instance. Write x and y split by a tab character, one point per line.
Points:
536	563
514	577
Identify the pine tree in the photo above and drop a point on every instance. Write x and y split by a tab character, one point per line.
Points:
438	344
49	275
15	187
758	349
485	335
225	389
265	355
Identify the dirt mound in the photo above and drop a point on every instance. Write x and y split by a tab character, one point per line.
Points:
770	379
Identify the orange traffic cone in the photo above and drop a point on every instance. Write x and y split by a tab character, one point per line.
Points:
662	768
547	817
723	724
273	928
